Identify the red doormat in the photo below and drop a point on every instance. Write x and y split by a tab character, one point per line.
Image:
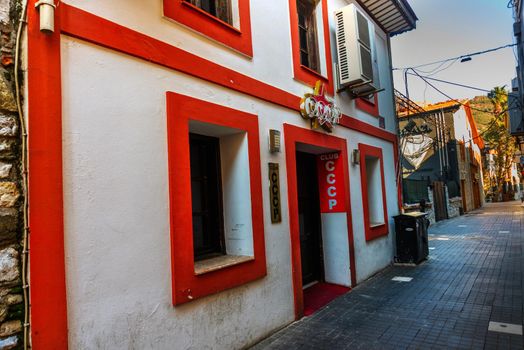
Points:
320	294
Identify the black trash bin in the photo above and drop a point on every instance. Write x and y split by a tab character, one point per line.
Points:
412	237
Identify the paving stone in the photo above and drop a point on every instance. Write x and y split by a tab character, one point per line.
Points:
474	275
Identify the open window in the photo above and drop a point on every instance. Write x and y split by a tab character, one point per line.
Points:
225	21
215	198
310	42
373	192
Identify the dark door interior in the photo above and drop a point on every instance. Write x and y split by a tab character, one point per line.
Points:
309	218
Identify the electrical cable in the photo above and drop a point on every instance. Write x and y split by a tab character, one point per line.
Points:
25	182
449	97
458	57
441	69
452	83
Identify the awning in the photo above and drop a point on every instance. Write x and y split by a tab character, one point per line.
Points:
394	16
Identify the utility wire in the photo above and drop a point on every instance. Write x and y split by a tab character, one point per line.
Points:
449	97
452	83
458	57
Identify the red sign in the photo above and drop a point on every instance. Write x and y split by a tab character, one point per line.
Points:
331	183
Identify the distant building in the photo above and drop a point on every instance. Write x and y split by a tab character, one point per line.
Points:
441	149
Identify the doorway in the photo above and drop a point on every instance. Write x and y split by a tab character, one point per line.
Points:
322	242
309	219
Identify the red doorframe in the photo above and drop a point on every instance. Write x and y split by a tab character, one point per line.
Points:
292	135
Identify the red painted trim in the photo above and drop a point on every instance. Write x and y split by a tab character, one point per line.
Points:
302	73
292	135
185	284
477	138
212	27
47	259
365	128
382	230
86	26
368	106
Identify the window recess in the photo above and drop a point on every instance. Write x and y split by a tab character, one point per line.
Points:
307	29
225	21
373	192
216	214
310	42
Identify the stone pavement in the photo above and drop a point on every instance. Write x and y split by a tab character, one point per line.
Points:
474	275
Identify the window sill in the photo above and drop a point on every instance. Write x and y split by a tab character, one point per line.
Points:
314	72
377	224
220	262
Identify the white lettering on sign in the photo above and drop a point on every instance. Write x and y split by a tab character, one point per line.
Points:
331	182
329	156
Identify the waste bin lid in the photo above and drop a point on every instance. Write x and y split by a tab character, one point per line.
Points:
415	214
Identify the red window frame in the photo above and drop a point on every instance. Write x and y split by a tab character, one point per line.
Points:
367	106
372	232
188	286
303	73
199	20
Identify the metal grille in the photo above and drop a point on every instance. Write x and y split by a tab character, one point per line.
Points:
341	44
363	30
366	61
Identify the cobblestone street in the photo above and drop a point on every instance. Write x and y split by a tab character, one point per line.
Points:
474	276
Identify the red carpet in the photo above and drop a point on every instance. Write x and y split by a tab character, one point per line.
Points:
320	294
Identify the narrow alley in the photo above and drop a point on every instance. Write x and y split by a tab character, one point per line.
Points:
472	281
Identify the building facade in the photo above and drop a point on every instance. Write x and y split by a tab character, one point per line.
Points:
196	164
442	149
516	95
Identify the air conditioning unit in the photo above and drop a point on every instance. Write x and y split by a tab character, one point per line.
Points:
357	65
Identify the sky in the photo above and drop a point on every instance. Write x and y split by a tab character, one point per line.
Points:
451	28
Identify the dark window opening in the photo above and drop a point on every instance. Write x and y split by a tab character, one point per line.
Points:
206	195
221	9
308	37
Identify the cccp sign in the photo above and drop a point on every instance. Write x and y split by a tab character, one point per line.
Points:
331	183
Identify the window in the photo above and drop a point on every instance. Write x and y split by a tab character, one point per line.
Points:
373	192
225	21
310	42
221	9
216	213
206	195
307	30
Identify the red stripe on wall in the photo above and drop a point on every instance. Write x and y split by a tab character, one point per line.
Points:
47	267
86	26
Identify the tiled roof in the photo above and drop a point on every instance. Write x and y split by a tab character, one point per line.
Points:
433	107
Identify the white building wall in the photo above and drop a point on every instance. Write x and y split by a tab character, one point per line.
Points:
117	241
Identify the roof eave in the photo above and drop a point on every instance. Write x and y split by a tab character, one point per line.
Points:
408	14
